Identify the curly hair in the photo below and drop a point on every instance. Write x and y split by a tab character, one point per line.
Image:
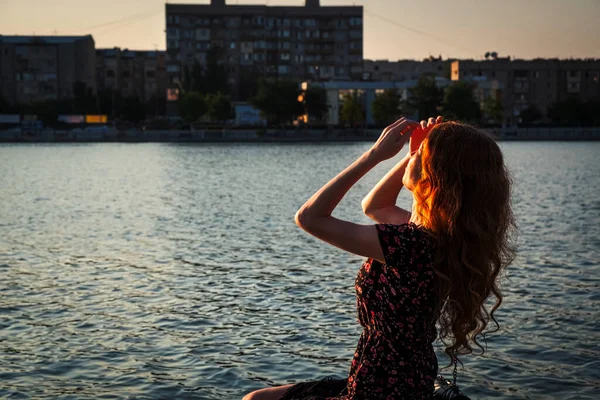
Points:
463	197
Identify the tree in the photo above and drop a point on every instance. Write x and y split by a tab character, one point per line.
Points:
592	111
530	115
493	109
568	112
460	103
426	98
192	106
211	77
278	101
133	109
352	109
315	99
5	106
218	107
386	107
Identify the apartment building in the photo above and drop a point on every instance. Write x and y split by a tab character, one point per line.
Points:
539	82
310	42
40	68
132	73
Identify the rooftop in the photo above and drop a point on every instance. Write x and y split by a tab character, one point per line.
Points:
42	39
220	9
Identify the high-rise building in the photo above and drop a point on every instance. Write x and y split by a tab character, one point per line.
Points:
39	68
310	42
538	82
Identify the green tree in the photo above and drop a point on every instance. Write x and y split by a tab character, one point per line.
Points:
278	101
592	111
5	106
211	77
530	115
352	109
460	103
568	112
386	107
493	110
218	107
426	98
315	99
192	106
133	109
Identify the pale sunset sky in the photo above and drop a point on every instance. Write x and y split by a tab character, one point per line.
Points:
394	29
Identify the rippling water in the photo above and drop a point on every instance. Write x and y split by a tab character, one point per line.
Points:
176	271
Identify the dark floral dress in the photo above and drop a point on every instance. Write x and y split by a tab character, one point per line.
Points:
396	303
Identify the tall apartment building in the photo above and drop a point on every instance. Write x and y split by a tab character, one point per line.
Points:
405	70
310	42
39	68
539	82
132	73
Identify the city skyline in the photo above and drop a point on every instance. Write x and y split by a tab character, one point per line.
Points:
535	29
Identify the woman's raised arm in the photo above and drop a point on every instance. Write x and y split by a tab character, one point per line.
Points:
315	215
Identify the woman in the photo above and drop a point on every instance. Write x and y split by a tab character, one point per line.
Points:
436	264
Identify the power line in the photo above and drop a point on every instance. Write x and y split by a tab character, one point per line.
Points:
120	21
419	32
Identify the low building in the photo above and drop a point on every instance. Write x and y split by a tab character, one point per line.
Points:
40	68
132	73
336	90
405	70
538	82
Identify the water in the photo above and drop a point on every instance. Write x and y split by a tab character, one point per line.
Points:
176	271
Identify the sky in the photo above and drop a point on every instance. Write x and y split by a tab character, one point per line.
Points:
394	29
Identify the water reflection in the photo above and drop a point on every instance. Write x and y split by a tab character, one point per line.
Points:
173	271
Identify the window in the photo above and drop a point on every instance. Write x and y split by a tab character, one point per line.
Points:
355	21
110	73
283	69
285	56
150	74
232	45
341	23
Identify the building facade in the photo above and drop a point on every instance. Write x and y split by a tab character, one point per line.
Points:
367	92
132	73
405	70
310	42
40	68
539	82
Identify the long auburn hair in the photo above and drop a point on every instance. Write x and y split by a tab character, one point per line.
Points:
463	199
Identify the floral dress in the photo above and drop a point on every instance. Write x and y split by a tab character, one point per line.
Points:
396	304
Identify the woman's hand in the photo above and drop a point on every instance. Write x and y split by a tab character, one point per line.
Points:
421	133
393	138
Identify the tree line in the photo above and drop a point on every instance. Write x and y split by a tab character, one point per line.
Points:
205	95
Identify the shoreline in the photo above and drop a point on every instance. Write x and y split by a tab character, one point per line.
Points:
270	136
